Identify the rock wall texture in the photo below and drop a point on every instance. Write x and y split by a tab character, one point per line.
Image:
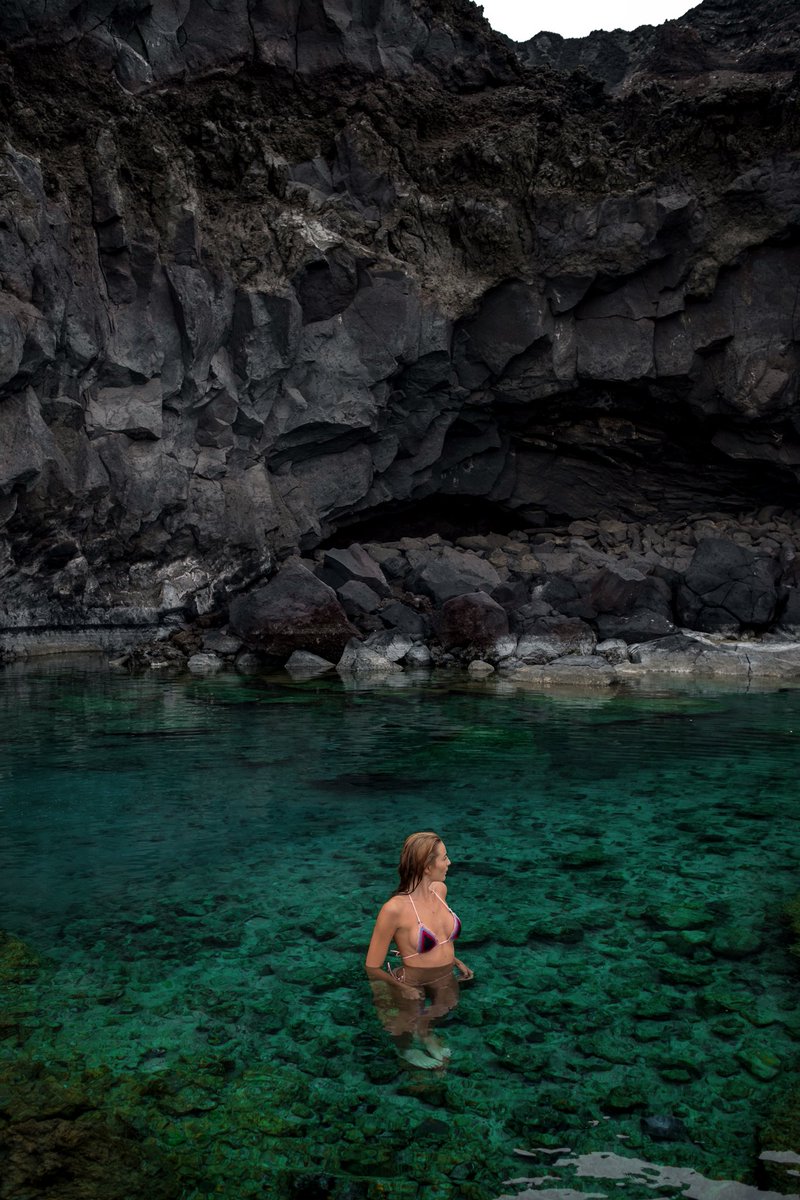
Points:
272	271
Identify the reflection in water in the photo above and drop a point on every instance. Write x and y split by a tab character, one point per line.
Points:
412	1020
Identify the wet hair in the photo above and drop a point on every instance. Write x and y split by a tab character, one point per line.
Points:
419	850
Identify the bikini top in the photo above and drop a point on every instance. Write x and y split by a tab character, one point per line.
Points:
426	938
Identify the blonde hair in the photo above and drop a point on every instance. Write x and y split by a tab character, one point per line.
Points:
419	850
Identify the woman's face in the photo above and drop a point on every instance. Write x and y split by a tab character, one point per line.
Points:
438	868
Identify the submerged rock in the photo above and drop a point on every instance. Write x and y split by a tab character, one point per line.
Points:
665	1128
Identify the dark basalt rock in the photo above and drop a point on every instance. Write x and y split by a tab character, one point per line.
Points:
354	564
727	586
405	619
452	573
294	611
314	286
472	621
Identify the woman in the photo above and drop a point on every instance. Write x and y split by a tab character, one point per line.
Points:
418	919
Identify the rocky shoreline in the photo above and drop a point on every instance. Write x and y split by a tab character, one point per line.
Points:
591	603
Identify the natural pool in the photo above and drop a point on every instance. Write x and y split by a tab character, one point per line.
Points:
194	867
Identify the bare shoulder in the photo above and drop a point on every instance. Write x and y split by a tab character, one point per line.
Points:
393	907
439	888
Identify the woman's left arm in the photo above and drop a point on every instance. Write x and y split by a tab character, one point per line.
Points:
464	972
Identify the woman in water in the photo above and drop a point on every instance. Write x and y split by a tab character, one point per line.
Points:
418	919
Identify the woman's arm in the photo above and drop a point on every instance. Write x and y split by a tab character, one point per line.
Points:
464	971
382	935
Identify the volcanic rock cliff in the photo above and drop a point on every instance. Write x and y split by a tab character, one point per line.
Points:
278	273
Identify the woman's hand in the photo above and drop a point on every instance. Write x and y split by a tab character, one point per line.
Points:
411	993
464	972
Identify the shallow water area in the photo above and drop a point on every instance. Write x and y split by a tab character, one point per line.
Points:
194	866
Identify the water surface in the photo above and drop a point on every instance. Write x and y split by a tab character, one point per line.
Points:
199	862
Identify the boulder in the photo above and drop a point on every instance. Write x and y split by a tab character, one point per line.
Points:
613	650
631	606
358	659
450	573
511	595
392	645
480	669
548	638
726	587
356	598
405	619
302	665
471	620
218	642
418	658
354	564
294	611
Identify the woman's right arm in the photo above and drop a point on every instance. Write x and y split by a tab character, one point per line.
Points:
382	935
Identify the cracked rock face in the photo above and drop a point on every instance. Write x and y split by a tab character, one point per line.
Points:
271	272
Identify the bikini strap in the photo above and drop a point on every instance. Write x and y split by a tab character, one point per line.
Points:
413	905
443	901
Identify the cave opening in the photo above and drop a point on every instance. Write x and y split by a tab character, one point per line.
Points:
450	516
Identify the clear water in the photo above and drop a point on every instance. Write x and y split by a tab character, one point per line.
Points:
199	862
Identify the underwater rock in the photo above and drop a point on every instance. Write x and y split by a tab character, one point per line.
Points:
480	669
680	916
761	1063
652	1008
18	963
109	1166
686	941
664	1128
624	1098
591	855
736	941
556	928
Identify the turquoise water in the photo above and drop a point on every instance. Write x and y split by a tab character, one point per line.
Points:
198	863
